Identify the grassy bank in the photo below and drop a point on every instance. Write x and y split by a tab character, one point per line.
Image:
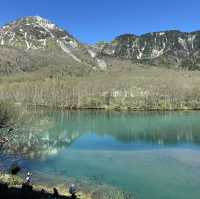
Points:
137	89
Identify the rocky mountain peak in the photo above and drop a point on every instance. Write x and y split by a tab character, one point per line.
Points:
34	32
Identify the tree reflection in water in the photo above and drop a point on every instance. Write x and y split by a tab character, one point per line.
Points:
42	133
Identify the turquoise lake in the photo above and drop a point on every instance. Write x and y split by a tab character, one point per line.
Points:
155	155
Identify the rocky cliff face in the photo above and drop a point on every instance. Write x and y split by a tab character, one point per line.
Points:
174	48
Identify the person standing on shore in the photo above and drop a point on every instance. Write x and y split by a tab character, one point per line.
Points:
72	191
28	179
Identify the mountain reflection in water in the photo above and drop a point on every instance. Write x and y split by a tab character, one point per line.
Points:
49	132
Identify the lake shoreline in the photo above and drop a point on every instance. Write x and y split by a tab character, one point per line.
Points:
15	182
117	109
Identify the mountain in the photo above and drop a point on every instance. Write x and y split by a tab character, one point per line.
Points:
169	48
34	42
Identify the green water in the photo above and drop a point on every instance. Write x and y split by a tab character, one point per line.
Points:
154	155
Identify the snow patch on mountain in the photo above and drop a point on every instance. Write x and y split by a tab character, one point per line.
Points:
67	50
183	43
102	64
161	33
191	40
45	23
92	53
157	53
2	42
139	56
47	29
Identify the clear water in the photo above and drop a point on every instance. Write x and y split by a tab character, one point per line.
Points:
154	155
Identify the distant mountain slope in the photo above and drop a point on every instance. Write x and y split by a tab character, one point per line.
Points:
32	42
171	48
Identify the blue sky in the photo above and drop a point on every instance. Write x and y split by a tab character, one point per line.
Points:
95	20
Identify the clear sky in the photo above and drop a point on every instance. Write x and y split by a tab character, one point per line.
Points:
95	20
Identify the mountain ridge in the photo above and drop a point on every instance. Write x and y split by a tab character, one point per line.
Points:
34	33
177	48
31	37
